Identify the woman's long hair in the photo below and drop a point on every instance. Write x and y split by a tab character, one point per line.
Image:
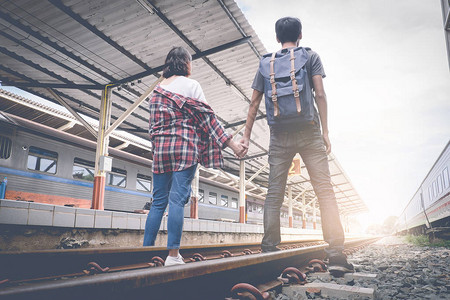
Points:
177	62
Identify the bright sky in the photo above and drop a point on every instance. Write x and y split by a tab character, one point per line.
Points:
388	87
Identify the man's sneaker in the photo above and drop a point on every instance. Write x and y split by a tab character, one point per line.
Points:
171	260
338	265
270	248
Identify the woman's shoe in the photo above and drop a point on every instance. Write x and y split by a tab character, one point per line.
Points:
171	260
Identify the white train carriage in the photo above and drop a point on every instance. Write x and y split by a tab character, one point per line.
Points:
430	205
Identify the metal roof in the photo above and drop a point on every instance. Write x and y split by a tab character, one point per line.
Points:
76	47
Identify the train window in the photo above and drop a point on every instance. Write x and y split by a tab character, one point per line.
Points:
117	177
144	183
5	147
224	200
439	184
434	189
42	160
259	208
445	177
201	195
234	202
212	198
430	193
83	169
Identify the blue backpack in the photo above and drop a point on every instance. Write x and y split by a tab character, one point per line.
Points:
288	93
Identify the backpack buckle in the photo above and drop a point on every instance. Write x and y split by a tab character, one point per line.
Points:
272	77
274	97
296	93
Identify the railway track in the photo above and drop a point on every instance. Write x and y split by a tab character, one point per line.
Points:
133	273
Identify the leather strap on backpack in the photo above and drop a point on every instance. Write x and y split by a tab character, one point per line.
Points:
274	86
294	82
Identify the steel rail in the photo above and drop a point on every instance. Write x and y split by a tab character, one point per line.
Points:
27	265
210	279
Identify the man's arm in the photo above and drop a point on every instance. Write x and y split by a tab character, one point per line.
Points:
252	111
321	101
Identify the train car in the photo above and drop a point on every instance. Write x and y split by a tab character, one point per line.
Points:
46	165
430	205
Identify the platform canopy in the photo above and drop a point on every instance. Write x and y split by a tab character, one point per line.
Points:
77	47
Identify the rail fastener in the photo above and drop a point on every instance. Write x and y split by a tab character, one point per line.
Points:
244	289
292	275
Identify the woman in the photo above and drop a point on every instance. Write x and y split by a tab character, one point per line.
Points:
183	131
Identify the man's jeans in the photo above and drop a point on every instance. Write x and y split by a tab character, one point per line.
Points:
173	188
283	147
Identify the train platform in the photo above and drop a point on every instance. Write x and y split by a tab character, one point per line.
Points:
37	226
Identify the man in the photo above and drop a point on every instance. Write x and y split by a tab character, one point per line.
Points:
297	132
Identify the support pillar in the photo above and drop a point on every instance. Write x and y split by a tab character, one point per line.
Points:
101	160
194	195
291	223
304	211
242	211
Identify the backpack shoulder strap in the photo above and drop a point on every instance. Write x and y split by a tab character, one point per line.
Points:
274	85
294	83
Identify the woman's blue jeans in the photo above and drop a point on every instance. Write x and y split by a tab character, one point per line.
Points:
173	188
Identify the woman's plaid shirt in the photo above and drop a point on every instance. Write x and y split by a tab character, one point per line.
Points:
184	131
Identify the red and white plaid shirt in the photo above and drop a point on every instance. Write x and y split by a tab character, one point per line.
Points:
184	131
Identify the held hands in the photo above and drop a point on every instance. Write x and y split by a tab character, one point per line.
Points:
245	143
239	149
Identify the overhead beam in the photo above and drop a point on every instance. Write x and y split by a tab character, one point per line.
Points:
249	157
74	113
76	101
236	182
40	53
54	45
256	174
54	85
33	65
98	33
135	105
239	27
19	75
197	55
66	126
59	77
95	85
234	124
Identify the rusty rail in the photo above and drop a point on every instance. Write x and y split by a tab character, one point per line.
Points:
27	265
210	279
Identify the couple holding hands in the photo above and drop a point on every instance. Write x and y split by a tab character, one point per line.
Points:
185	131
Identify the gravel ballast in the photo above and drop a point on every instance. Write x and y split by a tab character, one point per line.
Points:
404	271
